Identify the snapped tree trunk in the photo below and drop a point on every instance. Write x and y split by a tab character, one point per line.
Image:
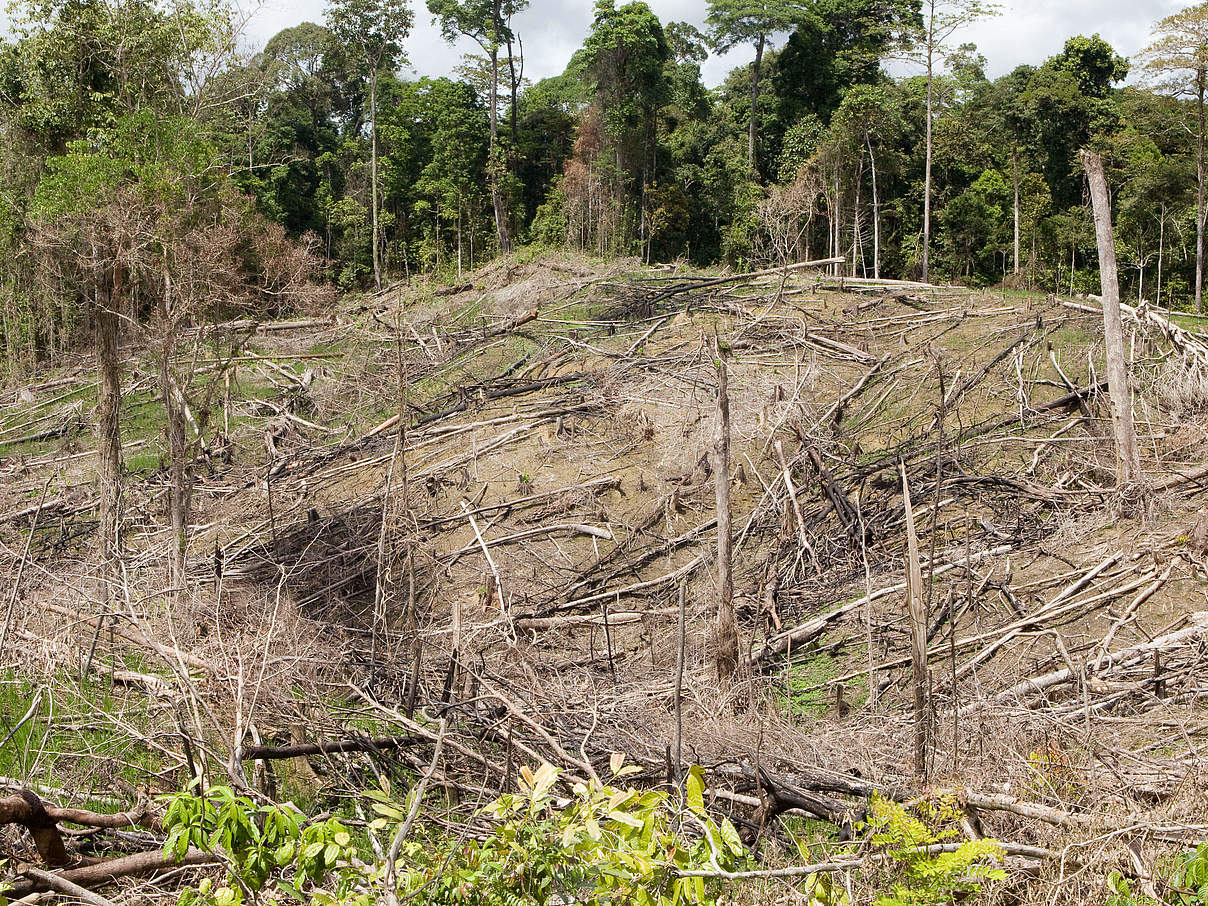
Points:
1128	464
916	608
727	624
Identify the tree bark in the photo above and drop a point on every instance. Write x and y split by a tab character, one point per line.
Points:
1128	463
727	624
876	214
108	434
496	165
927	169
122	867
1015	180
514	84
1161	249
917	611
180	482
754	124
1201	75
373	179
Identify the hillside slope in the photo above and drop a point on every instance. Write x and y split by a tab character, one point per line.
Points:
514	560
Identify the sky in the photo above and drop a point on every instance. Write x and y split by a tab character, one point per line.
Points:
1028	31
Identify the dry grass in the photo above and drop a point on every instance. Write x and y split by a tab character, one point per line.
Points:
294	626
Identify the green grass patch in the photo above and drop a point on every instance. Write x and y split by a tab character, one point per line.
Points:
803	693
144	462
76	737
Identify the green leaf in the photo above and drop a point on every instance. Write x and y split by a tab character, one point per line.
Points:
695	788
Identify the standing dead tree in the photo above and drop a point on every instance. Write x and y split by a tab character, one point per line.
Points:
727	624
88	252
916	607
1128	463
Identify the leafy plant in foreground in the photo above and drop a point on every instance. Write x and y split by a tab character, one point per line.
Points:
602	845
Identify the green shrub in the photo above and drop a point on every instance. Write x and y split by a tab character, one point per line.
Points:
928	874
601	846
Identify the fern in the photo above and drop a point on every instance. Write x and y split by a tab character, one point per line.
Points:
927	877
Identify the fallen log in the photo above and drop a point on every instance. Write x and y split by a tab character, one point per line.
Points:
810	630
852	786
65	887
1034	686
778	794
102	873
27	809
332	747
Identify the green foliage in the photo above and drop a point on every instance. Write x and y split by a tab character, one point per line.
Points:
484	21
1121	893
113	107
838	47
803	697
261	843
977	224
1093	63
166	158
624	58
734	22
1189	880
80	745
372	30
929	874
605	845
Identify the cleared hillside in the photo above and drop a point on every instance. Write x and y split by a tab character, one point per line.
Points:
513	560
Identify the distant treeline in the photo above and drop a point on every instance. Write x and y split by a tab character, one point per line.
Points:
144	159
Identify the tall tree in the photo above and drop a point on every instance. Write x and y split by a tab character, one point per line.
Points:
486	22
113	71
1008	121
838	46
941	20
372	31
624	60
1179	56
734	22
867	114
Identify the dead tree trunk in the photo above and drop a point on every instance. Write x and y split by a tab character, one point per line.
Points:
108	432
1128	464
179	467
727	625
917	609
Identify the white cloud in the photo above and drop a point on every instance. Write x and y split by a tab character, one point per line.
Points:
1029	31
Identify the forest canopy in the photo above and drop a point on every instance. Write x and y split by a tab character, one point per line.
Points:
147	113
